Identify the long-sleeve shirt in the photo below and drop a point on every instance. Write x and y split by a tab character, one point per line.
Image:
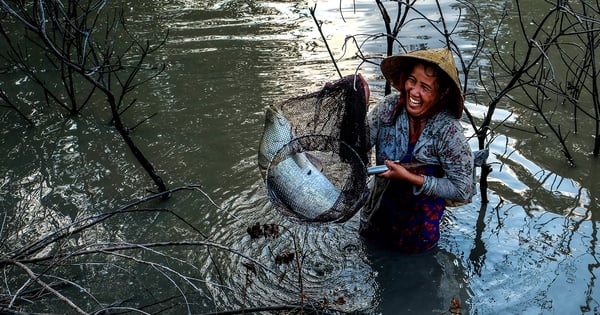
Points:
442	142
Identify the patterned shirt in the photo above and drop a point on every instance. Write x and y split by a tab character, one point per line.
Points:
407	216
442	143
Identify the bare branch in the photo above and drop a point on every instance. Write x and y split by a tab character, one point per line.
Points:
36	278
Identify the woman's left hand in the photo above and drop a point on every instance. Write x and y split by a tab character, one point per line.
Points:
398	172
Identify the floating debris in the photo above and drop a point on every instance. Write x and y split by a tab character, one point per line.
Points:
284	258
455	308
267	230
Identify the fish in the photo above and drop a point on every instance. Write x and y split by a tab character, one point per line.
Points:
294	181
378	169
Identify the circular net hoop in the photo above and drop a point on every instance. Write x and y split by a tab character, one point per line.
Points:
317	179
313	152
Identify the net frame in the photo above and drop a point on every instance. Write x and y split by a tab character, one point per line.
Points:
352	181
330	126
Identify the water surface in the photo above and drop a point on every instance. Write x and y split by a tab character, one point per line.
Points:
530	250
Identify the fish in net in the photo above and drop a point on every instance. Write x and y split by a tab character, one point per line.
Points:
313	152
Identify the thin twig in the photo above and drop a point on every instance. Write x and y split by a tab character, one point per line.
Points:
312	13
36	278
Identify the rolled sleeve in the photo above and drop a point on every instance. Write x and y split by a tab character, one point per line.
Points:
456	159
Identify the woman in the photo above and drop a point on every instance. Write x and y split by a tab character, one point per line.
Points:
419	124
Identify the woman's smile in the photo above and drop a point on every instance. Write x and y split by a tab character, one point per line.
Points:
421	88
413	102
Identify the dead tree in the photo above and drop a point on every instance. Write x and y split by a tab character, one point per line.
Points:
579	85
77	39
564	36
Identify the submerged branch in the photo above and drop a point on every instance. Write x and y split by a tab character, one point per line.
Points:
37	279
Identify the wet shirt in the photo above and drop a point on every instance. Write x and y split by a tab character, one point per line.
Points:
408	217
442	142
407	221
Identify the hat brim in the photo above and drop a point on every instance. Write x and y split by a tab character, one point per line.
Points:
394	67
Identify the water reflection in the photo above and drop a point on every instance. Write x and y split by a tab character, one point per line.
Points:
523	260
532	249
530	185
418	284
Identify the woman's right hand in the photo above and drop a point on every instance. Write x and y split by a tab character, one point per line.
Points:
398	172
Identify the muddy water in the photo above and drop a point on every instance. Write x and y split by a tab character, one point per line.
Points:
531	250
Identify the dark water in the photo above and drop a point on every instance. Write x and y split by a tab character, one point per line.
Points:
531	250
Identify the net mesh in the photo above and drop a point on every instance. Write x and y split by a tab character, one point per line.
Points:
313	152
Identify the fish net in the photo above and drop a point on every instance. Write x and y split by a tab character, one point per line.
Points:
313	153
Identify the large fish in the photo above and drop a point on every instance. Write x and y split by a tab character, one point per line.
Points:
293	181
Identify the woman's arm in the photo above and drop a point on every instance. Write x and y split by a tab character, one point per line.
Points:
456	159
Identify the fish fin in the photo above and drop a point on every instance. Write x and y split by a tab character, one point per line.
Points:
318	164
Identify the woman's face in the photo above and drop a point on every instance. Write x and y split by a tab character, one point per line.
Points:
421	89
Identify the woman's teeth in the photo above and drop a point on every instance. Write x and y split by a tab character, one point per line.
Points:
414	101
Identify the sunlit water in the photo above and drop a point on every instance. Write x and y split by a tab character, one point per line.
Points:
531	250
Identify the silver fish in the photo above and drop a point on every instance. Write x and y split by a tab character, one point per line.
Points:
295	181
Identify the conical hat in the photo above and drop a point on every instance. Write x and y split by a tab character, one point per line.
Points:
392	67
